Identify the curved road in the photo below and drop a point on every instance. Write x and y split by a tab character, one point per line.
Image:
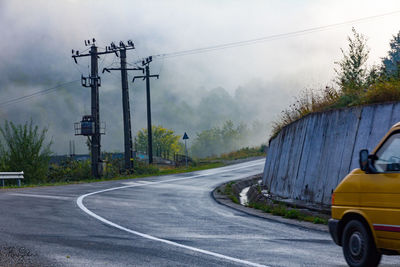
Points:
158	221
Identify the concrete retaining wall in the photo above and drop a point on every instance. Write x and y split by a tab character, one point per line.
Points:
309	157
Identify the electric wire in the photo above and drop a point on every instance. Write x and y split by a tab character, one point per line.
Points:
35	94
211	48
77	68
102	61
270	37
161	67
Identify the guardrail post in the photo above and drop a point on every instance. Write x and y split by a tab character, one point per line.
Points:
11	175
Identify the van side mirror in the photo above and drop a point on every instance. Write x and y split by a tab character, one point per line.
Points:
364	161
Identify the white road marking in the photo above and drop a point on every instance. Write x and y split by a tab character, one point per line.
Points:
79	202
40	196
144	182
130	183
136	182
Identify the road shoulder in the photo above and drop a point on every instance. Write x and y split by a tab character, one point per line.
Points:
223	199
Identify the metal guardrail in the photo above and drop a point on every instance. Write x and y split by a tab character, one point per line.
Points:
11	175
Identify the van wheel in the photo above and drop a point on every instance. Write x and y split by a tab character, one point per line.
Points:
358	246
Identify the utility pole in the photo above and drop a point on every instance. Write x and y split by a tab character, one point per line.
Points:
125	101
90	125
94	84
147	77
71	148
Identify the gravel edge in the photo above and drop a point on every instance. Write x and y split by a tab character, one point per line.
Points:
16	255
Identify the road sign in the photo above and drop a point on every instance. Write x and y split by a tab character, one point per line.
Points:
185	136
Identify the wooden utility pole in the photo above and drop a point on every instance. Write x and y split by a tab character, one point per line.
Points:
94	82
147	77
128	144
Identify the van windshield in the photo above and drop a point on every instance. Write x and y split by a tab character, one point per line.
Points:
388	156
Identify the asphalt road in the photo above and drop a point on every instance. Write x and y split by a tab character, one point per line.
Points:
158	221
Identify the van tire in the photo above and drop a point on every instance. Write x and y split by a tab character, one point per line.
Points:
358	246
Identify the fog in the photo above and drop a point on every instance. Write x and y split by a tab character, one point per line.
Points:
194	92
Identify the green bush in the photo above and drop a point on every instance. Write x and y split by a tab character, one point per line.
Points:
318	220
23	148
346	101
69	171
383	92
234	199
112	167
228	188
144	168
259	206
279	210
292	214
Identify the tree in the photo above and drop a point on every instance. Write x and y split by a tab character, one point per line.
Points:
208	143
165	142
374	75
391	63
23	148
352	72
218	140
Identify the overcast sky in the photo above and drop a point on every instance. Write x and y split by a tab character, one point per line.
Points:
37	38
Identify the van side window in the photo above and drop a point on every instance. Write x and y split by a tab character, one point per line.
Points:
388	156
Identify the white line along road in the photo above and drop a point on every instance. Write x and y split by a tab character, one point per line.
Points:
41	196
80	204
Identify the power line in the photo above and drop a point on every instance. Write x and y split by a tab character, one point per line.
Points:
38	93
213	48
269	37
77	68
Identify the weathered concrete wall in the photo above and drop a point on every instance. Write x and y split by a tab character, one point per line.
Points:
309	157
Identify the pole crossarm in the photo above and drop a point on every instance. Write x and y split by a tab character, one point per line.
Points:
99	53
144	77
108	69
112	48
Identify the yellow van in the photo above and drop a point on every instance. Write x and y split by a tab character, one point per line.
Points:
366	205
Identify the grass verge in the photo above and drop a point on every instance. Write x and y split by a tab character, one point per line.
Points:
162	171
274	207
286	212
242	153
229	192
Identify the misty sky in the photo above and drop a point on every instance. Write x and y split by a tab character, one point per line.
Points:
245	83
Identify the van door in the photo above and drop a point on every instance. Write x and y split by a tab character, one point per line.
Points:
380	192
